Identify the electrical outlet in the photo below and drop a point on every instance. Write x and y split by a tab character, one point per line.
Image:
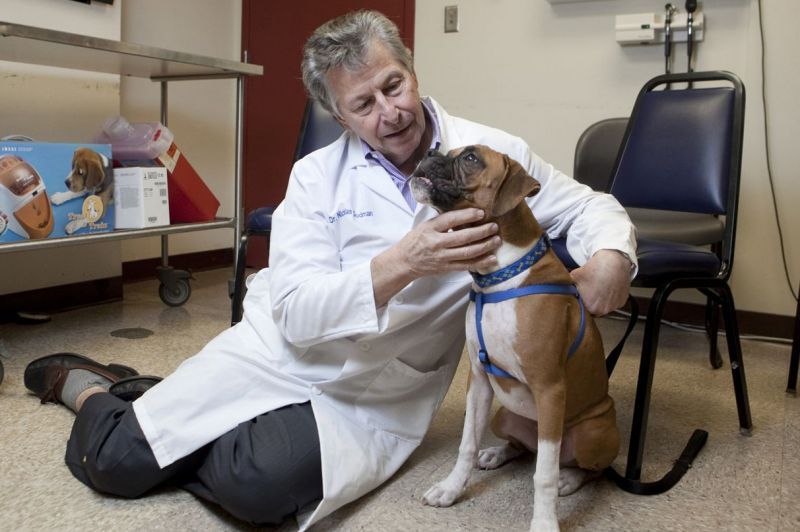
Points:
450	19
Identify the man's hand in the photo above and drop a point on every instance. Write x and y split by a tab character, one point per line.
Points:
432	248
435	246
604	281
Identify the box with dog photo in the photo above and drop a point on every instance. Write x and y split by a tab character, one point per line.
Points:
50	190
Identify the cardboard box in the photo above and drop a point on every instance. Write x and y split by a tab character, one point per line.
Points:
141	197
50	190
190	200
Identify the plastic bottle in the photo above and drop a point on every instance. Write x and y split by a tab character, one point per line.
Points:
134	142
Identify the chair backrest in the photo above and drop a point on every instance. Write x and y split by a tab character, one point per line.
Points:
318	129
682	149
596	152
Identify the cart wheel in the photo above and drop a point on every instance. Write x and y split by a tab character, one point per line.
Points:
178	296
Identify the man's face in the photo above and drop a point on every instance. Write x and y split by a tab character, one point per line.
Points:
380	103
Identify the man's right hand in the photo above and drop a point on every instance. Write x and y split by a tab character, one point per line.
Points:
435	246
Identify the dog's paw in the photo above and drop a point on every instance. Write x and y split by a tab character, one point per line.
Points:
57	198
544	524
494	457
442	495
571	479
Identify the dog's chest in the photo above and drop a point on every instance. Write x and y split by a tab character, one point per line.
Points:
500	332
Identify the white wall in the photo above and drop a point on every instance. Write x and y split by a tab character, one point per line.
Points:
545	72
58	105
201	113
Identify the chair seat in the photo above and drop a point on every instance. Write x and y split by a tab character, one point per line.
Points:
660	260
689	228
259	220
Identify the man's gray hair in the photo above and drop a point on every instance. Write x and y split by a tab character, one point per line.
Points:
344	42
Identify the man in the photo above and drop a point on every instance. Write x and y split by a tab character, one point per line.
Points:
350	339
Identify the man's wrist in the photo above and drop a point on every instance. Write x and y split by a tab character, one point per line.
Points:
625	256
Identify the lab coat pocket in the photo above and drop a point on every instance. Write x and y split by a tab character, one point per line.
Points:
401	400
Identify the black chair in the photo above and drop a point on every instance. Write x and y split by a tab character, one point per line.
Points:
794	360
595	154
317	129
682	151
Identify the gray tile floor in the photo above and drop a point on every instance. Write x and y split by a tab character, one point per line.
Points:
737	482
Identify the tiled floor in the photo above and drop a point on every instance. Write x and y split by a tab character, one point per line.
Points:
737	482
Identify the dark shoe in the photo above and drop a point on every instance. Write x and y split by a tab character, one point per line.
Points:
45	376
131	388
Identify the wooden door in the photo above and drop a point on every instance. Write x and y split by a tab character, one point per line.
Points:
273	34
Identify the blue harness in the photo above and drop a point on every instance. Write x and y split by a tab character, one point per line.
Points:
506	273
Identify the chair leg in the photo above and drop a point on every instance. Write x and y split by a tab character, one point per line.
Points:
633	469
794	364
737	364
238	283
712	328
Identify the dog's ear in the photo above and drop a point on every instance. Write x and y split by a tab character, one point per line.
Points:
95	173
517	184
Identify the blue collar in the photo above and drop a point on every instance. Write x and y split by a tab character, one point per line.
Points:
504	274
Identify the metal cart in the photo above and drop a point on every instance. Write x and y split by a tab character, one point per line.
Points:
28	44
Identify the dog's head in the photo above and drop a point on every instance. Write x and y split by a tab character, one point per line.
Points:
473	176
88	171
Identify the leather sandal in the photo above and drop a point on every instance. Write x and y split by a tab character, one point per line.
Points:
45	376
131	388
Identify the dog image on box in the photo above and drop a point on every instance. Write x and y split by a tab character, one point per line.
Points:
91	174
531	343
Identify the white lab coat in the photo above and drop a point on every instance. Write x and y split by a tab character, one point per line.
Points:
375	377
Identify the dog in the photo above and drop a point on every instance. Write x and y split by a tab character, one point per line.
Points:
92	174
539	352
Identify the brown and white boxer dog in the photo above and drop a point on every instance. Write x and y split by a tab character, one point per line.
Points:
538	351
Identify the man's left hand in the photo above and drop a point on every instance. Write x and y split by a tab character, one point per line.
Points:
604	281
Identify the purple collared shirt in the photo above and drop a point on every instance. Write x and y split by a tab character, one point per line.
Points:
398	178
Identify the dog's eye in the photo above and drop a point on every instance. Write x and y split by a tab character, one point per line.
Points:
471	157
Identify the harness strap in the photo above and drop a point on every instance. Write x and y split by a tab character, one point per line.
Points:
481	298
613	356
679	468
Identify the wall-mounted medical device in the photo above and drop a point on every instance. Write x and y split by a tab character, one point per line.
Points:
650	28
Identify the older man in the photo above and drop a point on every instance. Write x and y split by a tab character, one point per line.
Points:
350	339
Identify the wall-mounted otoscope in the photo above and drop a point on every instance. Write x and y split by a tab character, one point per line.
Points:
691	6
670	9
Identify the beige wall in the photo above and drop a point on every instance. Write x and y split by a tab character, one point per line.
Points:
545	72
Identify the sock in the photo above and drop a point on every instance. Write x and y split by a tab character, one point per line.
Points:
77	381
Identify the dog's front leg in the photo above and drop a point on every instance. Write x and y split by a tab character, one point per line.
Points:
551	403
57	198
479	403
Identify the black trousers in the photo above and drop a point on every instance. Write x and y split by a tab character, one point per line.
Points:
263	471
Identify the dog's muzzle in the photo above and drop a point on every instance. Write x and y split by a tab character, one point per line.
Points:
434	182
